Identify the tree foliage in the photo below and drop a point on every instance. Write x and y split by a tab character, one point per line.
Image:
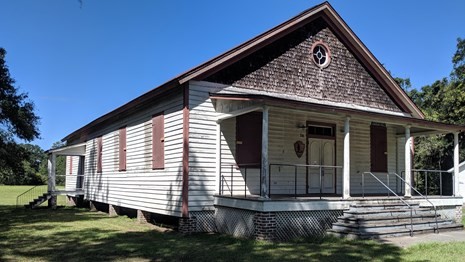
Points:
444	101
17	122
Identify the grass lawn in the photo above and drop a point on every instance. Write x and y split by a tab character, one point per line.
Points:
72	234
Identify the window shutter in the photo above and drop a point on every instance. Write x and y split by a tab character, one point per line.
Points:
249	139
158	141
122	149
378	144
99	154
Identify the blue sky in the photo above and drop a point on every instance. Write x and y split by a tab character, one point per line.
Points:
78	63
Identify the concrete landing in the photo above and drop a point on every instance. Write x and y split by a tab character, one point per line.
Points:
442	237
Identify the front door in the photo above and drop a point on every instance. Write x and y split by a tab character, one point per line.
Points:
321	153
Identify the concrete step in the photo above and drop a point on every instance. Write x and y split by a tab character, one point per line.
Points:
385	219
383	201
383	206
390	226
368	213
393	232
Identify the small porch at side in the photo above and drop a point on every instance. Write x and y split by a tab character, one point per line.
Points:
73	179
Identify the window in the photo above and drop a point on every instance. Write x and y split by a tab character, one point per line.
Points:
122	149
99	154
378	139
321	54
158	141
249	140
321	131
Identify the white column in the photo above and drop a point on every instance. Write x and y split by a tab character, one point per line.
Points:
265	165
456	164
218	157
51	172
408	162
346	167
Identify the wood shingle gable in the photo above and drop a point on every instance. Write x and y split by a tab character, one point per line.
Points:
286	66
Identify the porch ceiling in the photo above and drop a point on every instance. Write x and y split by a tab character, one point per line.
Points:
74	150
418	126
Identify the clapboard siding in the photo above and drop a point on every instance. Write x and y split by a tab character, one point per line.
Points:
71	175
139	187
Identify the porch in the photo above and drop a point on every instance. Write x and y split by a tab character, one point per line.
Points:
269	147
315	163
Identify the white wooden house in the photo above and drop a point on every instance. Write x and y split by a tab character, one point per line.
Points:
294	124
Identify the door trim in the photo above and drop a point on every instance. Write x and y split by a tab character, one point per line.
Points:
334	126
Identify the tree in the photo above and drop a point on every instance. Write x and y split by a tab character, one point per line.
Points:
444	101
17	122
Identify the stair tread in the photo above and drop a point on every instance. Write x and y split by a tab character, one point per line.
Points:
393	231
399	216
393	224
383	204
377	211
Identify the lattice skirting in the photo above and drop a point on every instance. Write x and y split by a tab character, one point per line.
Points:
236	222
205	220
289	224
296	224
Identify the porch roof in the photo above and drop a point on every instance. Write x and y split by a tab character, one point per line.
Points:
74	150
418	126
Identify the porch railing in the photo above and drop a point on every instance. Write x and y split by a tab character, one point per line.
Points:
28	195
321	172
234	179
230	184
394	193
433	182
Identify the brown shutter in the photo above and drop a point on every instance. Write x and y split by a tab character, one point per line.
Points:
158	141
378	139
70	165
122	149
99	154
249	139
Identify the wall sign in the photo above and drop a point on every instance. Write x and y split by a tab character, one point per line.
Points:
299	148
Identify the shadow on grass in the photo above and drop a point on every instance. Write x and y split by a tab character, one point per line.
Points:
66	238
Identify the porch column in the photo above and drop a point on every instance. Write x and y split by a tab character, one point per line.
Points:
346	167
218	157
408	162
456	164
51	172
264	176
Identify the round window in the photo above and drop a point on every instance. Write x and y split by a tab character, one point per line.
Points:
321	55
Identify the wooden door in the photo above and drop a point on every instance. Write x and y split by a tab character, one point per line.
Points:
321	153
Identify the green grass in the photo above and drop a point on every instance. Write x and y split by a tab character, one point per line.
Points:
72	234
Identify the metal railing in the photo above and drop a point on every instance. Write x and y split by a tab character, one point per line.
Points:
389	189
431	184
229	183
30	194
321	173
34	192
434	206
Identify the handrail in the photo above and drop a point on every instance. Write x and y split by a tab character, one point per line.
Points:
388	188
33	189
37	190
436	230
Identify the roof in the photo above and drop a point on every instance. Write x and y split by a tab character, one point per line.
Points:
419	126
325	11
